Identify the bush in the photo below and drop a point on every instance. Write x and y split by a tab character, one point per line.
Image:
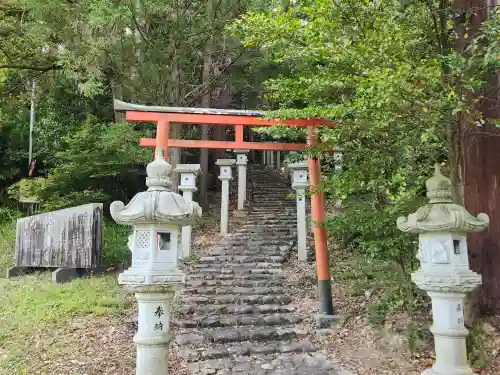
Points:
114	244
7	215
98	163
366	227
7	239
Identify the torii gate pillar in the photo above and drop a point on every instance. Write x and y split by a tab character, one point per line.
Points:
326	317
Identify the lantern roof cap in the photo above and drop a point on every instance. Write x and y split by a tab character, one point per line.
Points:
225	162
187	168
441	214
157	205
298	165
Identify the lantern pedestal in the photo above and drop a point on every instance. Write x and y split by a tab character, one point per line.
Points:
447	292
153	335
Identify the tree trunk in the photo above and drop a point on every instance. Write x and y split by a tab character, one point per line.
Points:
174	155
205	129
480	161
116	90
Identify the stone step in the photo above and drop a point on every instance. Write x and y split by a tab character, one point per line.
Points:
234	282
276	196
262	248
258	234
284	199
252	277
262	236
264	230
278	225
238	309
254	251
275	203
247	239
262	218
241	259
259	217
274	190
245	349
278	210
240	270
221	267
283	363
272	218
224	290
273	213
250	251
236	265
278	186
273	244
253	299
276	200
250	242
200	336
228	320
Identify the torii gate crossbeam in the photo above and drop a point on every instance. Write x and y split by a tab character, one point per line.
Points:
164	116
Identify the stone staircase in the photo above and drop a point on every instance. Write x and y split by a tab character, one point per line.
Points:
235	316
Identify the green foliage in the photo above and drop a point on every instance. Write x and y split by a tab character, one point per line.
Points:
379	79
386	73
98	163
7	239
7	216
478	357
85	54
114	244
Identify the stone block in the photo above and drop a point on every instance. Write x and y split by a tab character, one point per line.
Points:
69	238
324	322
19	271
62	275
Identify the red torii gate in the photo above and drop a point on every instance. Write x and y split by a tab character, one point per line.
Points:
164	116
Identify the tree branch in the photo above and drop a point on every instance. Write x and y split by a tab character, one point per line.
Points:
28	67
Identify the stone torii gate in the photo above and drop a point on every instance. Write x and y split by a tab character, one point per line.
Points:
165	116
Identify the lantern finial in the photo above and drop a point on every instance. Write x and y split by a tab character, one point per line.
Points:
439	187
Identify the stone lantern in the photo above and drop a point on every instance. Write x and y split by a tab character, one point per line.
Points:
226	174
156	216
187	185
300	184
444	271
241	162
